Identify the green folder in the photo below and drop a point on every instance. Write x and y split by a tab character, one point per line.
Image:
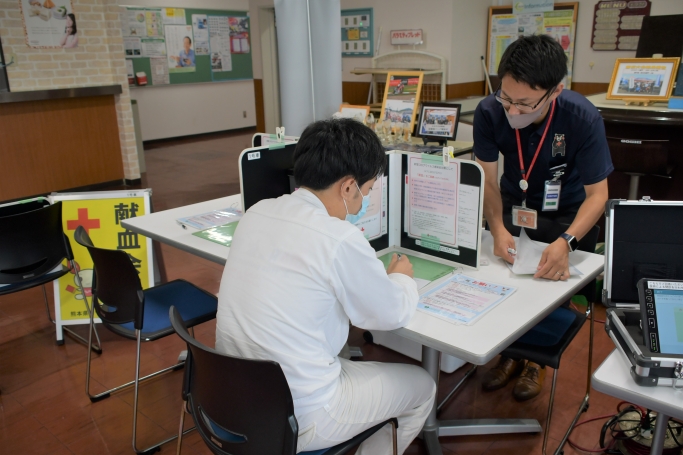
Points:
422	268
219	234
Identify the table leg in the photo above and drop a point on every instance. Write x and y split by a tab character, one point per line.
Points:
661	424
433	428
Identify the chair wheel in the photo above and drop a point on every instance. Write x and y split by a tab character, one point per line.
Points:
367	336
60	342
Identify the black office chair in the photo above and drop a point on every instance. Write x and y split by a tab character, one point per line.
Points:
32	248
533	344
639	157
244	406
142	315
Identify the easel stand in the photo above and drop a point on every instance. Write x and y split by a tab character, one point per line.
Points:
440	142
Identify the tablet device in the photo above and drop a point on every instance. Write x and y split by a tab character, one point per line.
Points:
438	121
661	309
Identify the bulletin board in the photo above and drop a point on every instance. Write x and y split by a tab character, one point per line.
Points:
149	25
505	27
356	33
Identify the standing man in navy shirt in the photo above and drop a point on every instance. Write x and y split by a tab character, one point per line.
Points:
556	163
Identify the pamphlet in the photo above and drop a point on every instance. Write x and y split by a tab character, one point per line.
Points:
463	300
211	219
529	255
219	234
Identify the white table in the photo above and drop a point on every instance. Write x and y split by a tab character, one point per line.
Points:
479	343
613	378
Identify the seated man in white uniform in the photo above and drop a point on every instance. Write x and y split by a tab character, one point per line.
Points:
299	271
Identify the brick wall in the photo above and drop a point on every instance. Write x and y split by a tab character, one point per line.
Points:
98	60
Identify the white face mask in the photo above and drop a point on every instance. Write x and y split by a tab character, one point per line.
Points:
519	121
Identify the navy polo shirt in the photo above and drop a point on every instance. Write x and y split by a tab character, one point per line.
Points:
586	154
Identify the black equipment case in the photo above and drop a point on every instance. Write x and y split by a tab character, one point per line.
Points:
643	239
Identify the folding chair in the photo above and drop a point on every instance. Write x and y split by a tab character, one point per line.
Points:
244	406
142	315
32	248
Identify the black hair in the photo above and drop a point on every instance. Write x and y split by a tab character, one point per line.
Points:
329	150
189	39
73	21
537	60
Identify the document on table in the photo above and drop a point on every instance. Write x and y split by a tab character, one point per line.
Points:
219	234
528	256
463	300
211	219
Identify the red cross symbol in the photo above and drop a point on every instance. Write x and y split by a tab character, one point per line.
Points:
362	229
84	221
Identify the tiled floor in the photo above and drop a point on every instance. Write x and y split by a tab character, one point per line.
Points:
44	408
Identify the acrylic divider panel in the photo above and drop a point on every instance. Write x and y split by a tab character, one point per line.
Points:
374	222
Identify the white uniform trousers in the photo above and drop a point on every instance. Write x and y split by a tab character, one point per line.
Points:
369	393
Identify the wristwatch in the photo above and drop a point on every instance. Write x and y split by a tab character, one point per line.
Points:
571	241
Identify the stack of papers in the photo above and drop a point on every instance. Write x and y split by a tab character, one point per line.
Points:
529	255
211	219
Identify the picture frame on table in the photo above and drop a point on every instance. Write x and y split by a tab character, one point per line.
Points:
354	111
438	122
402	96
643	80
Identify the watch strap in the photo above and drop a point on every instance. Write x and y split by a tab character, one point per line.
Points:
571	241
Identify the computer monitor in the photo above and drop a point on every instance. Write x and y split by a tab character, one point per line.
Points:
658	36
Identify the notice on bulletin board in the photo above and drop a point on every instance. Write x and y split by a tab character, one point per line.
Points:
200	28
506	28
239	35
617	24
219	43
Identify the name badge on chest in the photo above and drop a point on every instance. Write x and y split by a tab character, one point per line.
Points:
558	144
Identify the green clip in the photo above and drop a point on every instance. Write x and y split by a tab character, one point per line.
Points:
430	242
279	145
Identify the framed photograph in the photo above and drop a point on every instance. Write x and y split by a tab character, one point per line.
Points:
357	112
402	96
438	121
643	79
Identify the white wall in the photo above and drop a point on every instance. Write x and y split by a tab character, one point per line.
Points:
180	110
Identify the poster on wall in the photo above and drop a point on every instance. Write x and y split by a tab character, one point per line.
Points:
617	24
506	28
49	23
200	29
159	68
179	48
356	33
239	35
219	43
173	16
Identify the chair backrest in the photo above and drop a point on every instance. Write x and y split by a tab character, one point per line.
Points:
32	241
639	156
240	406
117	292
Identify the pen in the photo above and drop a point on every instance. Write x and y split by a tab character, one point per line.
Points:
512	251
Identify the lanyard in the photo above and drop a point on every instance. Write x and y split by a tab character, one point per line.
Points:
525	175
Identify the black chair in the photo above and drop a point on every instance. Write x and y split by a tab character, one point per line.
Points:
244	406
528	346
32	248
639	157
142	315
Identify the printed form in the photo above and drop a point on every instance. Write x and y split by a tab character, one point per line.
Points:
463	300
433	197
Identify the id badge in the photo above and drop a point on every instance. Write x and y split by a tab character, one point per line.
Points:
524	217
551	195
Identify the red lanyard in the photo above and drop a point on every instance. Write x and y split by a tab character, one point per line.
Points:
525	175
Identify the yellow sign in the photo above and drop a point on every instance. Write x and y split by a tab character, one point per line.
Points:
101	218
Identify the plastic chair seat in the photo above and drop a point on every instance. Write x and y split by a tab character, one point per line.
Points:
28	284
527	348
195	305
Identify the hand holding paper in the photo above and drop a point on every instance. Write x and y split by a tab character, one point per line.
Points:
529	256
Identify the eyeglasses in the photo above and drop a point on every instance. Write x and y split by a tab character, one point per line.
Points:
521	106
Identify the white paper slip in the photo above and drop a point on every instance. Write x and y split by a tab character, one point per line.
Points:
211	219
528	256
463	300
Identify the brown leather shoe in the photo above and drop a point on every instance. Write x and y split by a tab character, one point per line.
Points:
499	376
530	383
